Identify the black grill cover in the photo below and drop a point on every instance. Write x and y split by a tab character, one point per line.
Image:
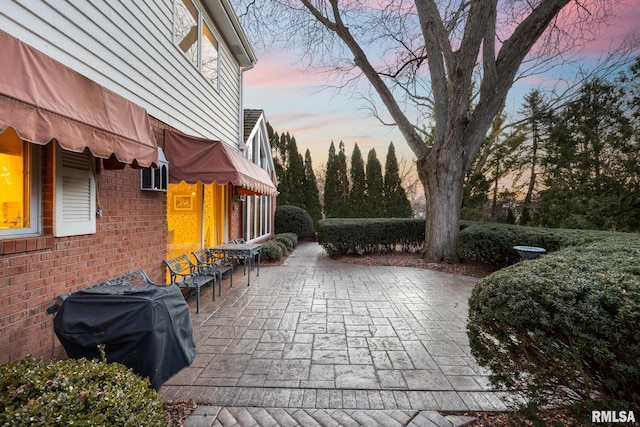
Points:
146	328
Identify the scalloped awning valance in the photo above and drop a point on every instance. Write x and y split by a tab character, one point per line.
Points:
195	159
42	100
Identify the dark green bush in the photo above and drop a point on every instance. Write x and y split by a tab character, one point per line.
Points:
82	392
563	329
271	251
285	239
493	243
292	219
292	236
343	235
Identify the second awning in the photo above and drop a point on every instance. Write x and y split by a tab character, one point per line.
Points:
195	159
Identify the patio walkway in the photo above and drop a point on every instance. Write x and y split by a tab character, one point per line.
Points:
319	341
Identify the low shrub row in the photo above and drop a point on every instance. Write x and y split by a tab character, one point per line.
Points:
82	392
342	235
279	246
492	243
563	328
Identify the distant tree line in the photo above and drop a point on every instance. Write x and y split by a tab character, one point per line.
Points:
356	192
574	166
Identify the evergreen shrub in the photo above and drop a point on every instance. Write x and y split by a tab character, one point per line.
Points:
292	219
81	392
562	329
284	239
272	251
492	243
292	236
342	235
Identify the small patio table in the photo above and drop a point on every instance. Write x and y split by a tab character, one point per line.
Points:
247	251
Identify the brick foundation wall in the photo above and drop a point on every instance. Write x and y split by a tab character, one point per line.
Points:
131	235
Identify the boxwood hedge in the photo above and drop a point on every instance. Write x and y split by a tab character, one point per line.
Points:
492	243
292	219
342	235
82	392
564	328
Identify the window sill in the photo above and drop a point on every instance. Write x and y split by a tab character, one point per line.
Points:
16	245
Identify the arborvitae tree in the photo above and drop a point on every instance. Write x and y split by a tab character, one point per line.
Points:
295	174
331	184
375	186
357	195
311	194
396	203
278	165
342	184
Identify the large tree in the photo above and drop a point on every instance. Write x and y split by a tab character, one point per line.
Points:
422	58
591	163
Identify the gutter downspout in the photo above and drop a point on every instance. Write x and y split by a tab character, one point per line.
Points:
241	142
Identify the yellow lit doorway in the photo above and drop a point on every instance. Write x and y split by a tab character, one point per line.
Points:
215	218
196	217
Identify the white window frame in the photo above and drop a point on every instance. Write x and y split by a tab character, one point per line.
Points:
75	194
34	154
201	22
259	218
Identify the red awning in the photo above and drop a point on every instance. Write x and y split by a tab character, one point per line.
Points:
194	159
43	99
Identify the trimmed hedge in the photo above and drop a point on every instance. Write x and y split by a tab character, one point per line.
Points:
279	246
564	328
292	219
493	243
81	392
286	240
271	251
342	235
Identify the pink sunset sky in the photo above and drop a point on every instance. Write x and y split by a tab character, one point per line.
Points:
298	102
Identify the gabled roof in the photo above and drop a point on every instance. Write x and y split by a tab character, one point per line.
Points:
251	118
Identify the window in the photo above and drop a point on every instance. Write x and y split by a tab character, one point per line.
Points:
258	223
19	186
209	56
200	46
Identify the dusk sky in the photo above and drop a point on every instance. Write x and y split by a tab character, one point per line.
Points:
294	99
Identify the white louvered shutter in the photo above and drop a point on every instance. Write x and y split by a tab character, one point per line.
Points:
75	194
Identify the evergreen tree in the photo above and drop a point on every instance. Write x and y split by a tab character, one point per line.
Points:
537	116
342	184
311	194
295	174
375	186
331	184
396	203
357	195
278	165
586	163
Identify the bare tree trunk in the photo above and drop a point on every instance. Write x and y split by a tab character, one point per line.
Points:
443	193
534	161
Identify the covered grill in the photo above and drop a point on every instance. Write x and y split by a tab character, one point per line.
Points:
145	327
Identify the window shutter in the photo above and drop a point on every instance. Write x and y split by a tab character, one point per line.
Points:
75	194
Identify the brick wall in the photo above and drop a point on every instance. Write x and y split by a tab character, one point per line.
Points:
131	234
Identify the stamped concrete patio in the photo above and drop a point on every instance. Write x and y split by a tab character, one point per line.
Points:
319	342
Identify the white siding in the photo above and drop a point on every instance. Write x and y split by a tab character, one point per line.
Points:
127	46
